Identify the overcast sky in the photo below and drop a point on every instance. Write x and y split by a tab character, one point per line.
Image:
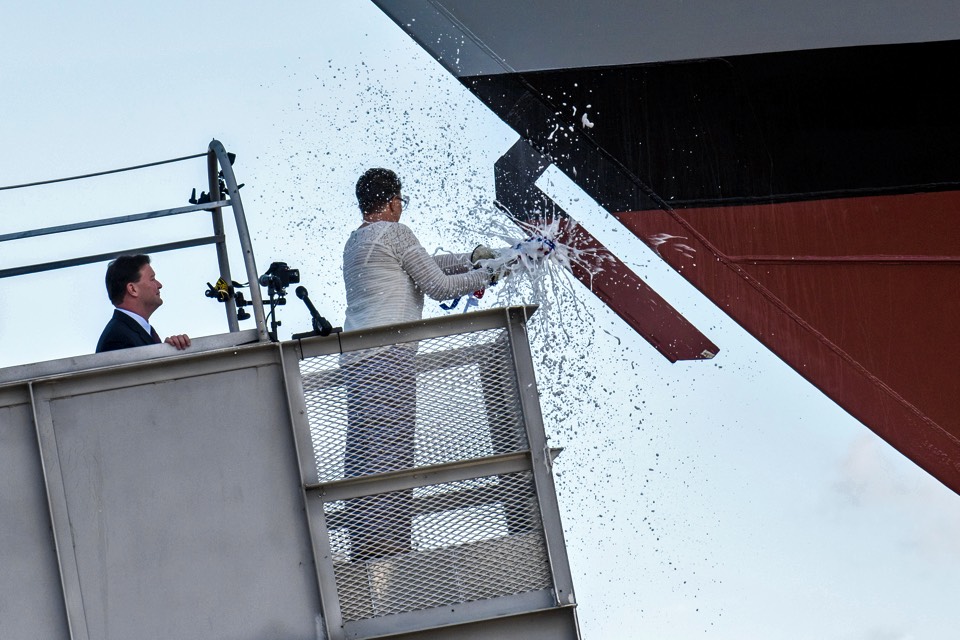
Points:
721	499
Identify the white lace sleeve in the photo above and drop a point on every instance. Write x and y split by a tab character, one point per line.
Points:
451	263
430	277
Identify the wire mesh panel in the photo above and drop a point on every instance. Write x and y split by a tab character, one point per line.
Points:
437	545
412	404
472	539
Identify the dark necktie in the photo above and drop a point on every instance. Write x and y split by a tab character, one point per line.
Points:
155	335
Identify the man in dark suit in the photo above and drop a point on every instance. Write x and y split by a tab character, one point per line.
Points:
135	292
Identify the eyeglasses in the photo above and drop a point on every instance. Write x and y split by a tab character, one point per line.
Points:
404	200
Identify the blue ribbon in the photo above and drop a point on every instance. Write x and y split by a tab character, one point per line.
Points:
471	302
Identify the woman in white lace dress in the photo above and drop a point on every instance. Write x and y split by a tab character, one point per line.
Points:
387	273
385	269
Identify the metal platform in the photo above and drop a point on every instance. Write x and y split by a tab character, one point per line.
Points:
206	494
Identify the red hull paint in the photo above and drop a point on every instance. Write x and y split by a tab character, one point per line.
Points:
859	295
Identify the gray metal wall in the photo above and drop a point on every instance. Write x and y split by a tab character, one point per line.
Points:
31	600
176	504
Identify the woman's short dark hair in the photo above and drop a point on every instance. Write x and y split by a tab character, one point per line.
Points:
122	271
375	188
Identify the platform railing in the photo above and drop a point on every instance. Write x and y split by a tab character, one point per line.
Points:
219	168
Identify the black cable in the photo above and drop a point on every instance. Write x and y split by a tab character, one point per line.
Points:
103	173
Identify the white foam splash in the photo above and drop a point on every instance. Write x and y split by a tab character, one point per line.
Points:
658	239
537	268
540	251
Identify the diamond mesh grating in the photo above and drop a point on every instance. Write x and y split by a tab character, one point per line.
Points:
437	545
439	400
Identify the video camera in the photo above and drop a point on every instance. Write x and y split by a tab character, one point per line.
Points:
278	277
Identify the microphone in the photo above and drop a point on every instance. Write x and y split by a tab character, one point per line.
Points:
320	324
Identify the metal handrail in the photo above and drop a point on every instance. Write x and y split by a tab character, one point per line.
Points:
216	156
99	173
103	222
